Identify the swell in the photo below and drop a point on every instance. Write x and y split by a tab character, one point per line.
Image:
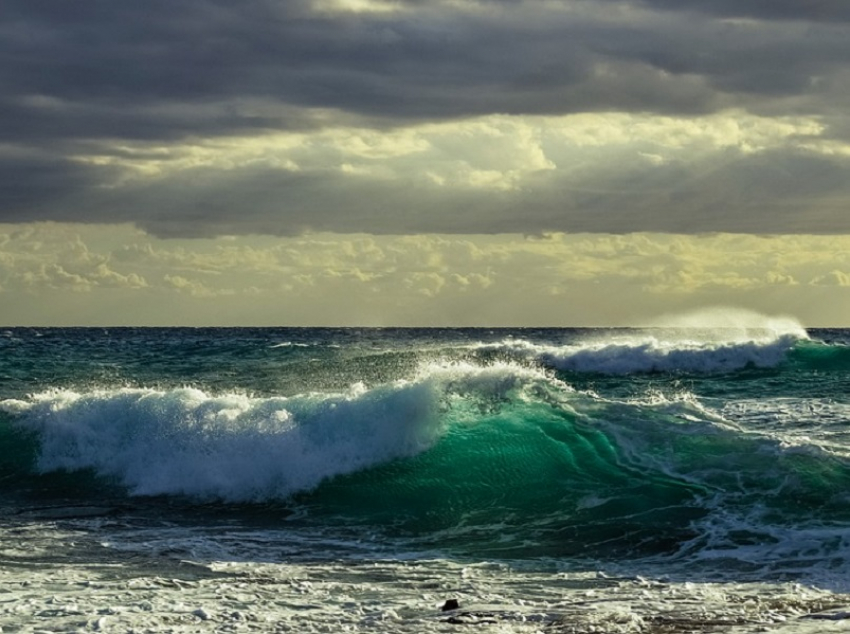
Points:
501	458
527	478
601	479
237	447
823	356
654	352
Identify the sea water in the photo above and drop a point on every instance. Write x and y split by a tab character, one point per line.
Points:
671	479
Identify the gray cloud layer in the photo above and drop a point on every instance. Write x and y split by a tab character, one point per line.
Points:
110	78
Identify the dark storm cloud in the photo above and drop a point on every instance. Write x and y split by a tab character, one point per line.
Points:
95	57
203	52
767	192
85	77
807	10
35	186
811	10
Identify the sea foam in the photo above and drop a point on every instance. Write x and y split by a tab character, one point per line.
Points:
648	352
232	446
236	447
716	340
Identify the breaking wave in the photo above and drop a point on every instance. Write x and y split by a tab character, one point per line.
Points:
706	342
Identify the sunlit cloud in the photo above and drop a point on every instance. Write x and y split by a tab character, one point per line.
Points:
604	172
391	279
423	161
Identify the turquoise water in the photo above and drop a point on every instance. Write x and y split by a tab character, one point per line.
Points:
725	451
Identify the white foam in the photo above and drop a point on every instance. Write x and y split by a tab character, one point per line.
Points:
654	352
647	352
807	424
493	380
231	446
706	341
313	593
237	447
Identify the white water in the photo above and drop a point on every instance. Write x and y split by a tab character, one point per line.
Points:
231	447
714	340
114	578
238	448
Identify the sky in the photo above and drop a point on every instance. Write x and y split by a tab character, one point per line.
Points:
423	162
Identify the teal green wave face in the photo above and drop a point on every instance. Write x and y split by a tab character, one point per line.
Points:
814	356
527	473
588	477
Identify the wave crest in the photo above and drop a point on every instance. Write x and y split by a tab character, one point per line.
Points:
710	340
239	448
232	447
649	353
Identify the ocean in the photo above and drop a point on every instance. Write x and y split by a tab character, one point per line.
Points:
671	479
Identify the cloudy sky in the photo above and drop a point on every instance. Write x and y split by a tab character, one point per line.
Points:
422	162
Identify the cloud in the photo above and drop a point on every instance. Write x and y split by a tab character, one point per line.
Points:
200	119
558	279
202	66
40	258
580	173
833	278
823	10
193	287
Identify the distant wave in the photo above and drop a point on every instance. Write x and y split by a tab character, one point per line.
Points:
651	353
710	340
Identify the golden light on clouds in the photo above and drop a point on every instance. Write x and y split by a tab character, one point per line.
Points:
327	279
355	6
506	147
424	161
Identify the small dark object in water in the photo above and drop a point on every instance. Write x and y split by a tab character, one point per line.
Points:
450	604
